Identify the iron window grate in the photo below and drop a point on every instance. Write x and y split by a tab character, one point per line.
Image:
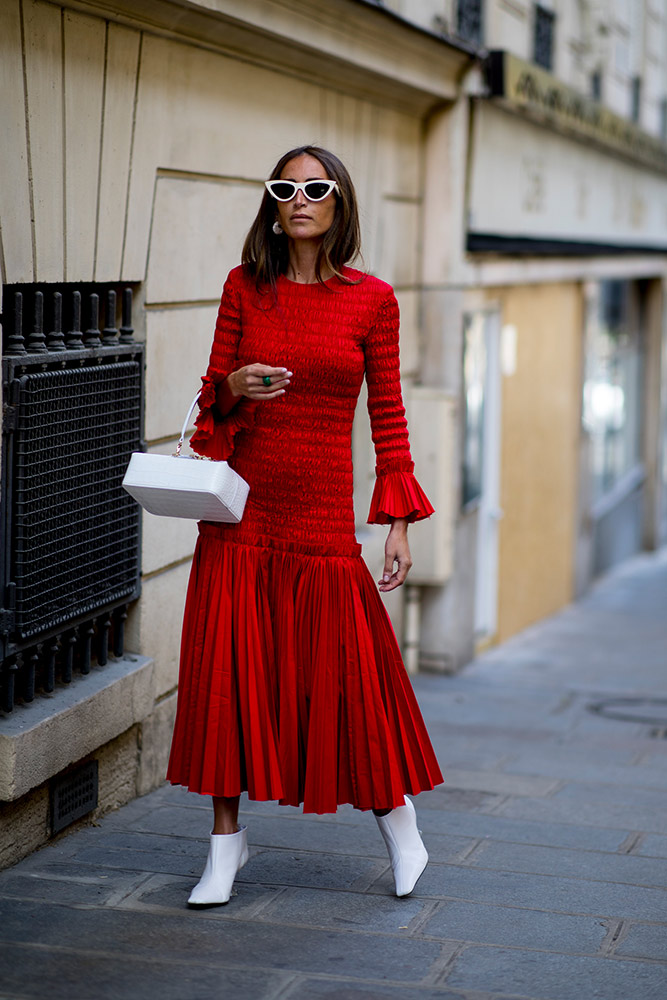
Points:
76	530
70	536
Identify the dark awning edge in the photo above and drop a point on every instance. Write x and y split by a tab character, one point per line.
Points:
541	246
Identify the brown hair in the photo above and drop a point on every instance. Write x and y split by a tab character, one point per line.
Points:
266	256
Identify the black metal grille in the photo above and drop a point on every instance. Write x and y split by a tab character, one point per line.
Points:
76	530
70	534
74	795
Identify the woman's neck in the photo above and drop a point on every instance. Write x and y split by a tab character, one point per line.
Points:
302	260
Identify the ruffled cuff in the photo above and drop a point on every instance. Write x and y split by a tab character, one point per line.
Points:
398	494
215	437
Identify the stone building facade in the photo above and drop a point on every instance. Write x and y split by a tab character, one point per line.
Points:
527	244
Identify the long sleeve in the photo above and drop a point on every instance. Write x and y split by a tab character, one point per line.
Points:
397	492
214	434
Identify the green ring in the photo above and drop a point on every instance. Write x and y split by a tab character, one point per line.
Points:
267	380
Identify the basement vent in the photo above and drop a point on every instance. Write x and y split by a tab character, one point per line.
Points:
73	795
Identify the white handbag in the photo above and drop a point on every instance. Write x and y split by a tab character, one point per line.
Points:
186	485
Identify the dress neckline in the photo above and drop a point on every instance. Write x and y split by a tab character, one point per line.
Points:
305	284
331	282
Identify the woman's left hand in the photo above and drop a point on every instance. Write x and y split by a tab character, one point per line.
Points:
396	550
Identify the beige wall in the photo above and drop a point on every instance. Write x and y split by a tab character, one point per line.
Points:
140	158
165	149
539	441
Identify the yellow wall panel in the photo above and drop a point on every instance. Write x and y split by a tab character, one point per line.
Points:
539	447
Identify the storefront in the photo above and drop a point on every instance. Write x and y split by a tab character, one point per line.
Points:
567	244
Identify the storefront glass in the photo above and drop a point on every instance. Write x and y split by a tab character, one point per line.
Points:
612	385
474	380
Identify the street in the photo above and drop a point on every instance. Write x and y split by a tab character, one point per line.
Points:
548	847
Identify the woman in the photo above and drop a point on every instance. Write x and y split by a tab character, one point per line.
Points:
291	682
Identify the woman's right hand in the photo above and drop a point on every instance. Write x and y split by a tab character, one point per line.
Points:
249	381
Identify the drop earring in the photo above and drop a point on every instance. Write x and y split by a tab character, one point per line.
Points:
277	228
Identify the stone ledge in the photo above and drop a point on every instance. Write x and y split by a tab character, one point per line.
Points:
39	740
356	47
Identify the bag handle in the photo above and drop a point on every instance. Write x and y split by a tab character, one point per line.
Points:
185	426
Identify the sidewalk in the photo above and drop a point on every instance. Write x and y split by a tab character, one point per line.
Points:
548	845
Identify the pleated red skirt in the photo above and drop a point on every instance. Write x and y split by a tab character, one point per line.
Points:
292	685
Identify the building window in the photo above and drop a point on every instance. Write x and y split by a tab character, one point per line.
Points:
612	403
635	98
663	119
596	85
469	18
474	382
544	37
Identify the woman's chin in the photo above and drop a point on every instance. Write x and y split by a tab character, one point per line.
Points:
304	231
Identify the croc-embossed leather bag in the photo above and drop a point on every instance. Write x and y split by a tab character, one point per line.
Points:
186	485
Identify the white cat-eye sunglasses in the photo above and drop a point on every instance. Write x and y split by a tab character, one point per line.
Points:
313	190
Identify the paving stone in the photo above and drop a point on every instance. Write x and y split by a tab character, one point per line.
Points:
555	977
499	783
344	910
580	809
296	833
540	892
469	799
333	838
305	989
492	749
653	845
172	893
577	864
364	839
186	863
27	971
235	943
644	799
173	820
580	768
135	840
62	890
479	922
521	831
645	941
311	870
120	879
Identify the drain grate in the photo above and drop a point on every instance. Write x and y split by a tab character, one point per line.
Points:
73	795
646	711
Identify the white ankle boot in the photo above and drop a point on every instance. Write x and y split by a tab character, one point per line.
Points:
407	853
227	854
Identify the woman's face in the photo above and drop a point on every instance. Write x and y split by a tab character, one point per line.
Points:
302	219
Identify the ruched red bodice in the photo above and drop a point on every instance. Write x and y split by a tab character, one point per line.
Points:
291	684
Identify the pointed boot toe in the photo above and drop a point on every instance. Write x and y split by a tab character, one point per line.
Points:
228	852
407	853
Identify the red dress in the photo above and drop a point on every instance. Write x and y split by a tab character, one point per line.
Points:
291	682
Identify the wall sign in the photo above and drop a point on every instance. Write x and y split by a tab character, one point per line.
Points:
524	86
